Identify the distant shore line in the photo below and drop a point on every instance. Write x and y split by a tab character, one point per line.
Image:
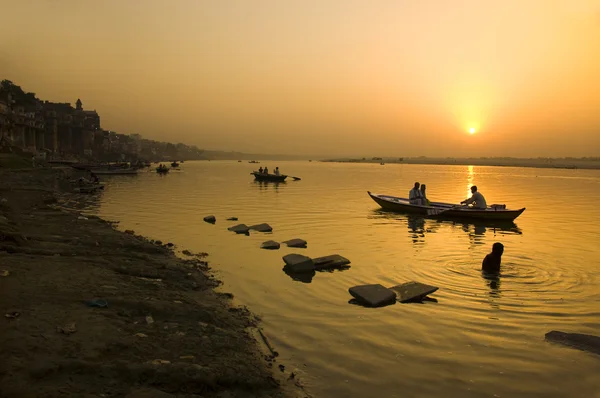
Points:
512	162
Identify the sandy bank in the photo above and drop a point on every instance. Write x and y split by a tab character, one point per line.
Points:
500	162
165	332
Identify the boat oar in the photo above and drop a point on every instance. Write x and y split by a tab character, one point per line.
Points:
436	211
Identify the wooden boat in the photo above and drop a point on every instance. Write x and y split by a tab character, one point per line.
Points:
114	171
162	170
174	164
268	177
445	210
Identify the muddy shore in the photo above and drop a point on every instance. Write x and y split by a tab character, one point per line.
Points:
165	331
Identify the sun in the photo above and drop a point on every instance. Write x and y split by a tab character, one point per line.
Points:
471	130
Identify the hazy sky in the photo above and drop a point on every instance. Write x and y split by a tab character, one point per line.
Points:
328	77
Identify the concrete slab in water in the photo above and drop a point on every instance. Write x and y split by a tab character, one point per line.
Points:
585	342
270	245
295	242
298	263
264	227
413	291
330	262
210	219
373	295
239	229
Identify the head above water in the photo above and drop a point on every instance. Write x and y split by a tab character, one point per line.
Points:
498	248
417	185
474	188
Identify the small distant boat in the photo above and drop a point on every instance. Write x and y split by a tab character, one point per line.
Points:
268	177
239	161
445	210
253	161
89	188
114	171
174	164
162	170
382	163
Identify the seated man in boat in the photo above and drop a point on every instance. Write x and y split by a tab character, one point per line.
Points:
424	200
277	171
260	169
266	170
491	262
476	199
414	196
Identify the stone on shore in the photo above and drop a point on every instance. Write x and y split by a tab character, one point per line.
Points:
373	295
584	342
232	219
210	219
295	242
270	245
412	291
240	229
264	227
330	262
298	263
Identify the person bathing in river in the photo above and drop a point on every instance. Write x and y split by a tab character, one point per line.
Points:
414	196
491	262
476	199
277	171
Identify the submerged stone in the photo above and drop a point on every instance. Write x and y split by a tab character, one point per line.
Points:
264	227
210	219
298	263
584	342
295	242
270	245
412	291
373	295
239	229
330	262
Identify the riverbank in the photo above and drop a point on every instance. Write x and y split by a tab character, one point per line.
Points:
557	163
165	331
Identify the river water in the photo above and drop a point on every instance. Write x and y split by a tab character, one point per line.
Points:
482	338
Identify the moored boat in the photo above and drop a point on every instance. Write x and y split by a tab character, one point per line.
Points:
174	164
445	210
114	171
268	177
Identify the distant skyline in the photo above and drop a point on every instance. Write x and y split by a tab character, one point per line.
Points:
330	79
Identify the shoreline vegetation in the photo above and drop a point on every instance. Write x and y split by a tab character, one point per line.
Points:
545	163
88	310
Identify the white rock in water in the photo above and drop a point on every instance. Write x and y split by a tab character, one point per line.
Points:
270	245
239	229
373	295
298	263
296	242
261	227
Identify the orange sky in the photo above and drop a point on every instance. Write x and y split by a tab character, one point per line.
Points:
347	77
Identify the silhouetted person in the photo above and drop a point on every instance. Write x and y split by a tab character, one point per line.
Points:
491	262
277	171
424	200
476	199
266	170
260	169
414	196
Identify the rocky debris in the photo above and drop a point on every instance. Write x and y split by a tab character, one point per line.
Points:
584	342
69	328
270	245
412	291
232	219
130	231
264	227
296	243
298	263
373	295
240	229
331	262
187	253
210	219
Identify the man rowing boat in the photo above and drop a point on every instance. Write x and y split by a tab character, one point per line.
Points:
476	199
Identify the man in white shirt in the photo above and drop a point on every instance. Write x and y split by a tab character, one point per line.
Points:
277	171
414	196
477	199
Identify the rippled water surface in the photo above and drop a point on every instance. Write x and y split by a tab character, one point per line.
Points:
482	338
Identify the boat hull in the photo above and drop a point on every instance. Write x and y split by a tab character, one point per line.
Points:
401	205
269	177
106	172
